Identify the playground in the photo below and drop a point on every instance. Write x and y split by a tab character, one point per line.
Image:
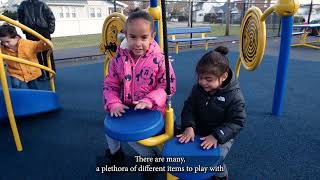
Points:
59	131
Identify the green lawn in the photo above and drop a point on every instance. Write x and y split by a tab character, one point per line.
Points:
94	39
76	41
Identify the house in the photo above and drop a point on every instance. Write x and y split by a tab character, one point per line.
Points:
214	12
304	11
80	17
202	8
76	17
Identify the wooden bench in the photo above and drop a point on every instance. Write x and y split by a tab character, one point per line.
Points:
202	30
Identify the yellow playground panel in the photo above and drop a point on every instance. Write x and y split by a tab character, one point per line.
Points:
253	33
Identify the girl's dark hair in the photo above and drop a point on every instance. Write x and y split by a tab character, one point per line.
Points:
8	31
137	13
214	62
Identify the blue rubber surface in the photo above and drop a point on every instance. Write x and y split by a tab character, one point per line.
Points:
194	156
27	102
134	125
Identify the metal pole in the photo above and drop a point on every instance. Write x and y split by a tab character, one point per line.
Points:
165	45
228	18
191	19
154	4
282	71
114	6
243	11
310	11
279	27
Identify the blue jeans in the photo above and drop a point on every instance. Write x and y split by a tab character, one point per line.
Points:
16	83
224	150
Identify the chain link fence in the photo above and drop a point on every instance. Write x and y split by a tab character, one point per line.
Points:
79	22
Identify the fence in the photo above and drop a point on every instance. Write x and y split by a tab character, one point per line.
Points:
79	23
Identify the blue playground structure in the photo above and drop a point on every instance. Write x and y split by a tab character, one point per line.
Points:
26	102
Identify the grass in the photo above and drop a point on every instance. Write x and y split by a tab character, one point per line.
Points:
76	41
94	39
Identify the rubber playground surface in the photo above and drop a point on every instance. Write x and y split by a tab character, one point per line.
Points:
67	144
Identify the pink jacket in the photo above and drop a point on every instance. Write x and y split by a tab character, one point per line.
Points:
144	80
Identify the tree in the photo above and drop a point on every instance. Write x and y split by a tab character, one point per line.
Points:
227	18
11	14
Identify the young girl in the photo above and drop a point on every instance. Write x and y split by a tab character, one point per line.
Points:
136	77
215	110
12	44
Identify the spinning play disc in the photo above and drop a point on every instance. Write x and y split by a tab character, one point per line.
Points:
194	156
134	125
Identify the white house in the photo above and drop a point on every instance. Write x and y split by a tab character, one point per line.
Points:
76	17
79	17
202	8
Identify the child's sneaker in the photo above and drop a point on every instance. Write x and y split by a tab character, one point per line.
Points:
116	158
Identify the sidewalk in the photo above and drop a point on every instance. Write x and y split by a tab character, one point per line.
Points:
73	53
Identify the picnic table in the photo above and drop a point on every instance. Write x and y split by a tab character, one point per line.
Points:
305	30
202	30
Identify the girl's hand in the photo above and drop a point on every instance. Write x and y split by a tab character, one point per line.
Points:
118	110
186	136
208	142
141	105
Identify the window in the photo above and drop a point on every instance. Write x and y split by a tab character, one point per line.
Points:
92	14
265	3
99	12
67	12
110	10
61	12
73	12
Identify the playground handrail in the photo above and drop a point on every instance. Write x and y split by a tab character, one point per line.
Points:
25	28
39	36
22	61
3	78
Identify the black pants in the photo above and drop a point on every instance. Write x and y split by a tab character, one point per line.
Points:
42	56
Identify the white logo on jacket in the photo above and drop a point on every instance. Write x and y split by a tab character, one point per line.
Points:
220	98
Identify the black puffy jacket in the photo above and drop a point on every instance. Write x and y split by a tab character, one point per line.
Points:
221	114
36	15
